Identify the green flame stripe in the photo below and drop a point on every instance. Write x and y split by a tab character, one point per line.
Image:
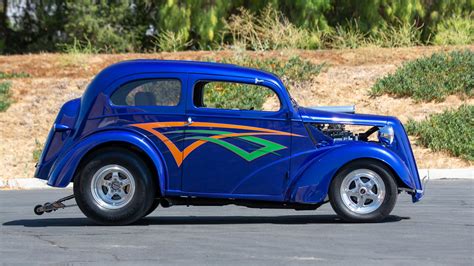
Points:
267	146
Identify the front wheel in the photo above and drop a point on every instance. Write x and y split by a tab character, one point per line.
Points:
363	191
114	187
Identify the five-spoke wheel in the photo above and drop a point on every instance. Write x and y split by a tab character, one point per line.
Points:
363	190
114	187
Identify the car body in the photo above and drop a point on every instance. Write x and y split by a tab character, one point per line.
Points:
214	156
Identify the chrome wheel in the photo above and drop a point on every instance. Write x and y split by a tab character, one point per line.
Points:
362	191
113	186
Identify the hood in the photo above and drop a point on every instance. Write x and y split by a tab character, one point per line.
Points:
318	116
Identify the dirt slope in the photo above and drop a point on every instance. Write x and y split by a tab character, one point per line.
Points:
56	78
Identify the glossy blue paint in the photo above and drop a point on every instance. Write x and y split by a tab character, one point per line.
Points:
300	172
264	176
313	180
64	168
401	146
57	140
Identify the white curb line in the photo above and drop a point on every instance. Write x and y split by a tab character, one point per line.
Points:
433	174
25	183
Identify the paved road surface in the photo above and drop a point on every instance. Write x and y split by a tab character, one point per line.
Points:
437	231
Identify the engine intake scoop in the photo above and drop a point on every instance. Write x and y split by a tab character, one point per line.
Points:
349	109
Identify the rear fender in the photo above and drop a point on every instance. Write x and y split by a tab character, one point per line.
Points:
63	170
311	185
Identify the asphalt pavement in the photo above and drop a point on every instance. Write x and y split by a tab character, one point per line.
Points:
439	230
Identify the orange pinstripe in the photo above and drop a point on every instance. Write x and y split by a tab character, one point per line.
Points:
179	156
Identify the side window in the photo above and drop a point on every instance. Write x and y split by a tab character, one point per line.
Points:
148	92
235	96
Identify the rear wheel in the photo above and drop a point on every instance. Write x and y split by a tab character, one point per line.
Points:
363	191
115	187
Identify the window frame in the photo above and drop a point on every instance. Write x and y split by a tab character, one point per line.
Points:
239	80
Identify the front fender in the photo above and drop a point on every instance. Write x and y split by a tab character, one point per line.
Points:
63	170
311	184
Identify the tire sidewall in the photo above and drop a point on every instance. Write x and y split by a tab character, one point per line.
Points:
133	210
380	213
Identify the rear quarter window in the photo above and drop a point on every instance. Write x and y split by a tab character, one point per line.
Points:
149	92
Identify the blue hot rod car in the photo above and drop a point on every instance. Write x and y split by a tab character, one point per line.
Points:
149	132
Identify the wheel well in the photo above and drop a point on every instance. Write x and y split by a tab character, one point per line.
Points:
398	180
123	145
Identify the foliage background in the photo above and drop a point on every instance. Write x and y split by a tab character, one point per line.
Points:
146	25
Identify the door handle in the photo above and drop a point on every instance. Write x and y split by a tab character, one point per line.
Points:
190	121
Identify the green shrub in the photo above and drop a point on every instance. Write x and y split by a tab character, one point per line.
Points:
456	30
400	35
4	75
352	36
103	25
451	131
79	47
5	96
169	41
270	30
431	78
348	36
292	70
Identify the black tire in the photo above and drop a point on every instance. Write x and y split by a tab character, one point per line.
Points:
153	207
141	200
37	210
387	205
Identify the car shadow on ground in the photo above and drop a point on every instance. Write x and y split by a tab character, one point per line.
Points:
198	220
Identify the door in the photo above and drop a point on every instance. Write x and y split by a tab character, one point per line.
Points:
154	104
237	138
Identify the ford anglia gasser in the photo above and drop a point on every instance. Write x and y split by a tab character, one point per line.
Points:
150	132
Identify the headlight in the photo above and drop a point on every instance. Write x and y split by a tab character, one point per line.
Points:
386	135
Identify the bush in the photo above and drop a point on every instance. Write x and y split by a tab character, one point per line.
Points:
352	36
401	35
451	131
431	78
79	47
169	41
456	30
348	36
103	25
270	30
292	70
4	75
5	96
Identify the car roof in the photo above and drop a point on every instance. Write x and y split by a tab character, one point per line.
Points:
131	67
